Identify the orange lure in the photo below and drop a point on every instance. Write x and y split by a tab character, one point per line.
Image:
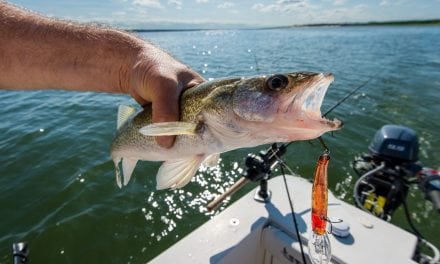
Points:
320	195
319	243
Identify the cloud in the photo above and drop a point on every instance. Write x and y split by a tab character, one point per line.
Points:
148	3
176	3
119	13
226	5
336	2
283	6
394	2
286	2
202	1
339	2
384	3
353	14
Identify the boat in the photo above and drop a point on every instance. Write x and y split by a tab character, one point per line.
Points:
253	232
259	228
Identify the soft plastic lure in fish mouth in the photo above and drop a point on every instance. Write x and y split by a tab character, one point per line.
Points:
319	243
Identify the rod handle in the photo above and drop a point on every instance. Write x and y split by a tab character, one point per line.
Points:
235	187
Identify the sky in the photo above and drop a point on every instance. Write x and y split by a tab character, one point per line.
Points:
206	13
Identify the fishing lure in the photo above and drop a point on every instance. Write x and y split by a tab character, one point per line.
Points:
319	243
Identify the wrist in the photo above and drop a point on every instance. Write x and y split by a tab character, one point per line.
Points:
123	57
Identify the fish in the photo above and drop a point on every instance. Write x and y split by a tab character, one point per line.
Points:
222	115
319	243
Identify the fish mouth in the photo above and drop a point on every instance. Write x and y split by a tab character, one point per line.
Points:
309	99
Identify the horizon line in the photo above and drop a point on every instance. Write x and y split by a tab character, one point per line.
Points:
249	27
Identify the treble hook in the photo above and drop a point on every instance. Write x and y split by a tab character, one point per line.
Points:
331	222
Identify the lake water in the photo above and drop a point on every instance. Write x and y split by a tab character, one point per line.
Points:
57	188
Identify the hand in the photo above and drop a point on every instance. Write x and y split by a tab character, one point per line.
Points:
87	58
158	78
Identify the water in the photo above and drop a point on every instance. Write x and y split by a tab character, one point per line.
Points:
57	188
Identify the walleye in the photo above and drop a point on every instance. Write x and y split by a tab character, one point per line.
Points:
222	115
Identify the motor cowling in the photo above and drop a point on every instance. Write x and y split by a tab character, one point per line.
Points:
395	144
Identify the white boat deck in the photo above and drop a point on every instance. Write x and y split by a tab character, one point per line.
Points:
252	232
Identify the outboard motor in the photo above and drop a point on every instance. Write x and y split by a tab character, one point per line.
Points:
386	172
395	145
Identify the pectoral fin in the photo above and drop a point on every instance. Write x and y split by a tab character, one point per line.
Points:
177	173
211	160
169	129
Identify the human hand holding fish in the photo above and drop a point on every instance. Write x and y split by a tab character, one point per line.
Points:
157	80
222	115
83	57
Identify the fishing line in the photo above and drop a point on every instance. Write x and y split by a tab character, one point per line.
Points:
351	93
408	218
282	164
256	63
255	60
343	99
323	144
338	103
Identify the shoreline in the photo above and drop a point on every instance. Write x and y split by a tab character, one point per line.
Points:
430	22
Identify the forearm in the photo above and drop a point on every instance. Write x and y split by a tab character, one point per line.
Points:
39	53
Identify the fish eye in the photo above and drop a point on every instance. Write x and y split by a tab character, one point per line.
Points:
277	82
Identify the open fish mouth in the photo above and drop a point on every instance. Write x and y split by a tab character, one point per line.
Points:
310	99
313	96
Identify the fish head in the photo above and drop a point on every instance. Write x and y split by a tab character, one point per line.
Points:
284	107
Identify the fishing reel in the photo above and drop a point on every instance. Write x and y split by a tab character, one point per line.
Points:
388	170
259	169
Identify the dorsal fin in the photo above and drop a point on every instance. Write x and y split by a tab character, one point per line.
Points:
124	113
